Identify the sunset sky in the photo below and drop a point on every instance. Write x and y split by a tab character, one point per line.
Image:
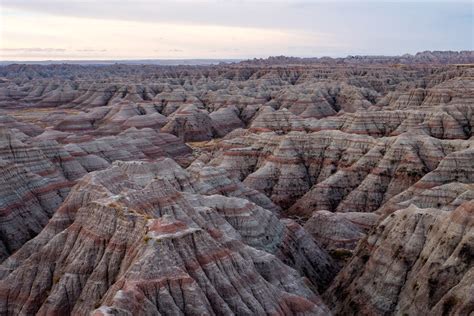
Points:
87	29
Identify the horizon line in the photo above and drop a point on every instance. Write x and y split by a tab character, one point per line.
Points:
211	60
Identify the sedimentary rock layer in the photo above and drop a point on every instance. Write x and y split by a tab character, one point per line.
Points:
416	261
335	171
139	238
307	186
37	174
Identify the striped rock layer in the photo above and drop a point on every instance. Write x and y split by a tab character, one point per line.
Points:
309	186
140	238
37	174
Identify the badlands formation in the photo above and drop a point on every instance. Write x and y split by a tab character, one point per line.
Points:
278	186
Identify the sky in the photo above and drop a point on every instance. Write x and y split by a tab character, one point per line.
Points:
235	29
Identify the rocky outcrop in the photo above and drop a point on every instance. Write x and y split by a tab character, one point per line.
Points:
115	247
295	171
417	260
199	104
426	57
34	181
9	123
132	144
190	124
446	187
339	230
225	120
27	202
331	170
38	173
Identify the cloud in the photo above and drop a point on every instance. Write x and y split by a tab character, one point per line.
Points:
48	53
130	39
87	50
32	50
216	28
323	15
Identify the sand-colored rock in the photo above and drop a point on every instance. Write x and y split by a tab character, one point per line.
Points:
417	260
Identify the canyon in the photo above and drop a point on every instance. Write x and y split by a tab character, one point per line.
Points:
282	186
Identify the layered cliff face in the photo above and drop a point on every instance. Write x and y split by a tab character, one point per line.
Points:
199	104
415	261
150	242
34	181
340	231
335	171
37	174
305	187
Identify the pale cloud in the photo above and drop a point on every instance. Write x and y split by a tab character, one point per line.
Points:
32	49
132	39
120	29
